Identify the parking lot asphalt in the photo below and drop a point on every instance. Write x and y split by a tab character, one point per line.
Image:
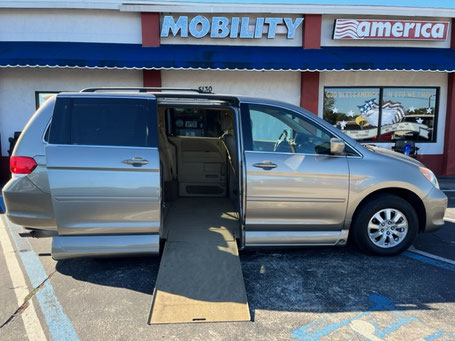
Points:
298	294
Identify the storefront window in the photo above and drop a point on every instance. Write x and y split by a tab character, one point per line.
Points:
42	96
405	113
408	113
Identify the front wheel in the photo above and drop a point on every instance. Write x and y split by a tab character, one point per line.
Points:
386	225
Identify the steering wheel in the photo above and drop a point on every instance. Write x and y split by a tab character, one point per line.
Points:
281	138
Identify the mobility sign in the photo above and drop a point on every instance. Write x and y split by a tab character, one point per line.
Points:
224	27
374	29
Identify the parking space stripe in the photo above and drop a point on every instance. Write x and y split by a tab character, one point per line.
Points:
430	255
59	324
425	259
32	324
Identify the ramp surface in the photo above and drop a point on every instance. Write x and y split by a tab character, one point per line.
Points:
200	277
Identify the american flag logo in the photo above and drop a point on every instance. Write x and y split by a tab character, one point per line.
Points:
392	112
346	29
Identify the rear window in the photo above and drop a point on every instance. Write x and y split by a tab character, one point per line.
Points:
104	122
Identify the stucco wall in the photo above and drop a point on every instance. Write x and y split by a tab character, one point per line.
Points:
283	86
70	25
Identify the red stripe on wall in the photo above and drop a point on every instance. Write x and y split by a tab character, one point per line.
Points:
152	78
150	23
309	81
312	31
309	91
434	162
449	135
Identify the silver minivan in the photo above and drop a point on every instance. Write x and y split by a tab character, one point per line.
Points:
111	172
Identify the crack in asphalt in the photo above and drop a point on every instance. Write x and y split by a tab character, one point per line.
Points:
27	298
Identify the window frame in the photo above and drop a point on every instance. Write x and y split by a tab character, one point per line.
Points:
381	98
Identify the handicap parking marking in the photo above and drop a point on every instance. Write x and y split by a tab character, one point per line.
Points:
429	258
60	326
370	325
2	205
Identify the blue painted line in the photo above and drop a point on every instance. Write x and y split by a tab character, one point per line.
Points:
323	327
311	332
429	260
402	319
60	326
437	335
2	204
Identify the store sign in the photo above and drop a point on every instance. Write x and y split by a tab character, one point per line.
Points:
372	29
224	27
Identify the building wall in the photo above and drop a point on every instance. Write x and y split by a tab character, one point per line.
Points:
283	86
376	78
18	86
70	25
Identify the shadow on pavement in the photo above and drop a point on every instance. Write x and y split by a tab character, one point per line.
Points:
297	280
137	274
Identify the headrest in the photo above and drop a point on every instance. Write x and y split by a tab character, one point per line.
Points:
226	121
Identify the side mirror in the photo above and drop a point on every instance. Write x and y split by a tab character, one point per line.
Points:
336	146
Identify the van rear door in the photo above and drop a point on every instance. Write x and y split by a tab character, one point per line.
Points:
103	164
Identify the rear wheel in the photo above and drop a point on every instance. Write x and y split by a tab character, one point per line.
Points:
386	225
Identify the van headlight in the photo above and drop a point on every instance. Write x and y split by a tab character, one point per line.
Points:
430	176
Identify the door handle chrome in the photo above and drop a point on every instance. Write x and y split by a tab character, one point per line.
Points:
136	162
267	165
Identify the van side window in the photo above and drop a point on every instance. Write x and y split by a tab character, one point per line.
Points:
104	122
278	130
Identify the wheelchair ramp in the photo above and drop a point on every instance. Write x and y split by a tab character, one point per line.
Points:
200	277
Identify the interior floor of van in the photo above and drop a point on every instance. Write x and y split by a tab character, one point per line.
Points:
196	219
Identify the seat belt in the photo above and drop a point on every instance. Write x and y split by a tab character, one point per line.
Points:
228	154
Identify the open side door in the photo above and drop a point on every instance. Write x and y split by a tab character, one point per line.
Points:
103	165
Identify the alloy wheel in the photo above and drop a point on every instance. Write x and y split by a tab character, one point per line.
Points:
388	228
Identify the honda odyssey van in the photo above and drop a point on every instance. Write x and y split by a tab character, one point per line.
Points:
114	172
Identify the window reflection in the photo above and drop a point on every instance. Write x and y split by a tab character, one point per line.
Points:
405	113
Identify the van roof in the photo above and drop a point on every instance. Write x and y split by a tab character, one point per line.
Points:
176	94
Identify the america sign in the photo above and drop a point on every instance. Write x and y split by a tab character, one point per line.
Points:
375	29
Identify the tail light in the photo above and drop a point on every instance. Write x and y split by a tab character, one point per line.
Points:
22	164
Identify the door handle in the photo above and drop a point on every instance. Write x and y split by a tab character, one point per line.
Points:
267	165
136	162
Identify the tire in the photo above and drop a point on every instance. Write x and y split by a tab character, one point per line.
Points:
386	225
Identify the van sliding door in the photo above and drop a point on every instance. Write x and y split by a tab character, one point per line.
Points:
103	165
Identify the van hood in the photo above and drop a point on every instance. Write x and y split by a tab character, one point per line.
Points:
393	155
